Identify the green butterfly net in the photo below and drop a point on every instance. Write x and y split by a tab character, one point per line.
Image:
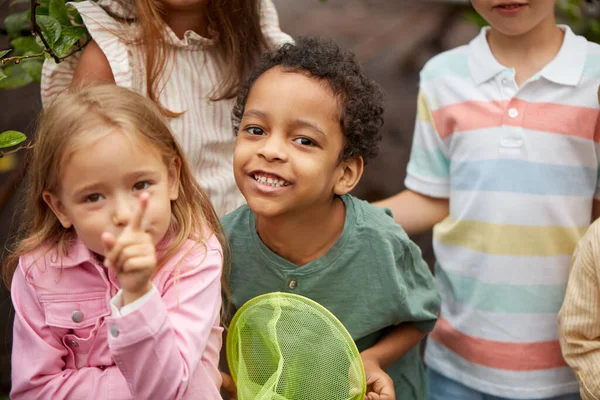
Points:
283	346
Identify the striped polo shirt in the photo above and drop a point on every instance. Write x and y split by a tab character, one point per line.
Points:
520	167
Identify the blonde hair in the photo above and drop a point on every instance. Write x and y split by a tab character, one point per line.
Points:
72	117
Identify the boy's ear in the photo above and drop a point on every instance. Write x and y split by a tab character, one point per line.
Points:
174	178
57	208
350	173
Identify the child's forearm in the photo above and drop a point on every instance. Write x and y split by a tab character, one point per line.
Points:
393	345
415	212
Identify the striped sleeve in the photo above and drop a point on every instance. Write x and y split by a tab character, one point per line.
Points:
428	170
579	317
597	144
591	76
269	23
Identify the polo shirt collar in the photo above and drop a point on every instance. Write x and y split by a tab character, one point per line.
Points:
566	68
568	65
482	63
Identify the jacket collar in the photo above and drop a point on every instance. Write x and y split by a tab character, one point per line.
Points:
77	254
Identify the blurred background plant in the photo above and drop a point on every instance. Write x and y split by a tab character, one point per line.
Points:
48	29
583	16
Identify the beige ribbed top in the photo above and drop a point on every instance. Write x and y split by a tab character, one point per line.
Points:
579	317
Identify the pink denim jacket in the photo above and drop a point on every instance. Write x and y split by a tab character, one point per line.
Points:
69	345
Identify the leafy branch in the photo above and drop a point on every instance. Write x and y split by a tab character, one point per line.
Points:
49	29
11	139
5	153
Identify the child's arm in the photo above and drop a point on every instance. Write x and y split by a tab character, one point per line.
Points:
416	213
171	329
387	351
159	346
38	366
425	202
579	318
393	345
418	302
93	68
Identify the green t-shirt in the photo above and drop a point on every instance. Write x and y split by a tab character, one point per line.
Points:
373	278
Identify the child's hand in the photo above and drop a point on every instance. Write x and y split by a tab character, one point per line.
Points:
132	255
379	384
228	386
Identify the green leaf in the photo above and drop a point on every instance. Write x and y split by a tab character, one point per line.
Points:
34	69
2	76
4	52
57	9
69	36
16	77
39	42
11	138
50	28
16	23
74	14
27	44
39	10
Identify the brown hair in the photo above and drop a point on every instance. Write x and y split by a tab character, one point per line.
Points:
239	41
68	120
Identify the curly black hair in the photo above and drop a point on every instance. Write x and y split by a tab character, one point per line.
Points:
361	99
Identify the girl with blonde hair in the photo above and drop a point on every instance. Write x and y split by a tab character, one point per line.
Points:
116	278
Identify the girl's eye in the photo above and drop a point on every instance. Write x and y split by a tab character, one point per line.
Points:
253	130
304	141
141	185
92	198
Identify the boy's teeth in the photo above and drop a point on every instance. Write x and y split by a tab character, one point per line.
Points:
270	181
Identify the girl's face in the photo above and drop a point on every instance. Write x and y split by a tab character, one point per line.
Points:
515	17
100	185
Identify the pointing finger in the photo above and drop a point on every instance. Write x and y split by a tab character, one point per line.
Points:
138	218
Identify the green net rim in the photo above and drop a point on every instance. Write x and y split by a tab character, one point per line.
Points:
316	305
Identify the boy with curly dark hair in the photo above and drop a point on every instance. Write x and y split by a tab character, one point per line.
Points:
306	122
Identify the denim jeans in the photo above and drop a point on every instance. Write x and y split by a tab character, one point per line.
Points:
443	388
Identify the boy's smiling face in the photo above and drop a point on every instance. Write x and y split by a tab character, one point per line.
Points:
515	17
287	153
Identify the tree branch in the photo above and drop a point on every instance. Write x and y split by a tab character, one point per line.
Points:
5	153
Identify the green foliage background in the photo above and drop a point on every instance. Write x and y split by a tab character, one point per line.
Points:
56	31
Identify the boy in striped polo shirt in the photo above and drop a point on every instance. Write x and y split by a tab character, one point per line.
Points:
505	165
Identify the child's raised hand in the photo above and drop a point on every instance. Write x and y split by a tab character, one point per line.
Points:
379	384
132	255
